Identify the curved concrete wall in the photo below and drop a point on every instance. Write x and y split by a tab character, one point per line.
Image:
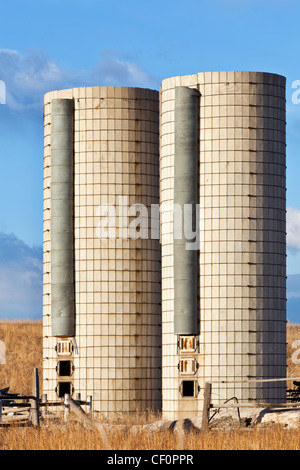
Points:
117	347
242	256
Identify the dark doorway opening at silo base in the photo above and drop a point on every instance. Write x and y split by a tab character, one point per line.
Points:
188	388
64	368
64	388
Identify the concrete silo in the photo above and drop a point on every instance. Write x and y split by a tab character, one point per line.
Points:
222	159
102	284
212	290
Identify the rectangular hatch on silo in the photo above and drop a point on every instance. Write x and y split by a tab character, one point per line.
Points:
189	388
188	366
65	368
64	388
64	348
187	343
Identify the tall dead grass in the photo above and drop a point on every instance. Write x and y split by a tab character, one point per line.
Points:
74	436
23	342
23	352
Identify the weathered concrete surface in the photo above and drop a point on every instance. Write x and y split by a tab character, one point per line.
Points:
289	418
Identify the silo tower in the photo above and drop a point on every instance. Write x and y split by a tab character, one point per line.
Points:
102	272
223	235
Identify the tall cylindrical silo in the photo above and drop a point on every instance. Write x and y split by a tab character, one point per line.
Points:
113	353
241	246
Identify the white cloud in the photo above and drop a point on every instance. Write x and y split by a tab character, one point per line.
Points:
293	228
29	75
116	72
293	286
21	279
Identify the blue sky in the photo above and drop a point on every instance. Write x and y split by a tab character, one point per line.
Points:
53	44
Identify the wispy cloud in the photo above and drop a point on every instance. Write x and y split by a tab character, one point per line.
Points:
29	75
293	286
293	229
21	268
117	72
293	296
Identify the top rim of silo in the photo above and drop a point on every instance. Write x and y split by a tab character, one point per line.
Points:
91	90
224	76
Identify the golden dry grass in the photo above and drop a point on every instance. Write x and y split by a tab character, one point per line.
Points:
23	352
74	436
23	342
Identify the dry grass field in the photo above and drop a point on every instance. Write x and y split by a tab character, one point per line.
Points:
76	437
23	341
23	352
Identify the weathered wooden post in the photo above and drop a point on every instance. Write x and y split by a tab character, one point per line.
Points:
0	411
67	406
85	418
44	399
90	404
34	402
206	407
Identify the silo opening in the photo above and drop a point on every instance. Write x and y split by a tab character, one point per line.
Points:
188	388
187	343
64	388
64	348
64	368
188	365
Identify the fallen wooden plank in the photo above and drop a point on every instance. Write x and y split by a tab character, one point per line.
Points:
256	405
14	404
80	413
16	396
8	410
8	419
178	426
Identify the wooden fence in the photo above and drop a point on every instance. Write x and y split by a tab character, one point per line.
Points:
17	408
20	408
